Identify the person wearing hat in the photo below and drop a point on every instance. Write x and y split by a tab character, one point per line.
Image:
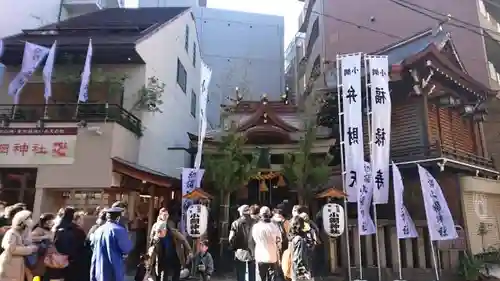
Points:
124	220
267	237
12	264
110	244
240	240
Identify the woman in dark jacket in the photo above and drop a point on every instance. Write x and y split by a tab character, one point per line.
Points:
70	240
301	252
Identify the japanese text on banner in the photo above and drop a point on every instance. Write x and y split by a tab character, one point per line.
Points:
381	126
404	224
350	71
439	219
365	194
191	179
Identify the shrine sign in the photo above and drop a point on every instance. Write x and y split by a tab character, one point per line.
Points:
34	146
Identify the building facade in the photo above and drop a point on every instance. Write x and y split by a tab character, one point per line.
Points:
244	51
18	15
117	144
367	26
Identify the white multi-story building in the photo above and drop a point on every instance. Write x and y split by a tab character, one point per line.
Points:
244	50
119	144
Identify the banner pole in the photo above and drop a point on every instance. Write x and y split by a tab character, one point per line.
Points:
370	145
342	164
433	251
400	267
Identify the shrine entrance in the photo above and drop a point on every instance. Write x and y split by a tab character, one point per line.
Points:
269	189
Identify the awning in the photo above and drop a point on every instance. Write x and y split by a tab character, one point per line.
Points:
331	192
141	173
197	194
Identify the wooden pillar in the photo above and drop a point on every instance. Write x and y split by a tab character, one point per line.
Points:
394	249
409	252
421	248
370	255
355	243
382	247
332	250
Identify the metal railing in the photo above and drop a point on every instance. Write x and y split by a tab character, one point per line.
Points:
72	112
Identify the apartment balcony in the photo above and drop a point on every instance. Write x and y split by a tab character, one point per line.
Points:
79	7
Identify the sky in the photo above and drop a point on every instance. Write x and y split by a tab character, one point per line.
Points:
289	9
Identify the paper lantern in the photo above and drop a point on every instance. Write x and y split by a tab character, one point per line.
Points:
333	219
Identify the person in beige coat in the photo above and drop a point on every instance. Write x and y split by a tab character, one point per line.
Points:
12	267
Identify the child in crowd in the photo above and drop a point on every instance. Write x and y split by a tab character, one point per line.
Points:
203	262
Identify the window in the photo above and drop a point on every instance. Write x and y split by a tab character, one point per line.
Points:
194	54
181	76
186	40
193	103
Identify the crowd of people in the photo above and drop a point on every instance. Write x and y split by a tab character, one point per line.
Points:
57	247
270	247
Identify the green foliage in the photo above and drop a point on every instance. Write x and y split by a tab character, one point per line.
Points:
328	115
470	268
229	168
149	96
303	171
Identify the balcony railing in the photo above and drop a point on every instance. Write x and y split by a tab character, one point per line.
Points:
438	150
71	112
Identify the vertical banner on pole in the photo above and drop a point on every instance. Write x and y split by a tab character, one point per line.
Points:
439	220
191	178
353	123
380	126
206	75
404	224
351	130
365	194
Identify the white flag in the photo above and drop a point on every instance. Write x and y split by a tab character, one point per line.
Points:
381	126
83	96
1	48
439	219
191	179
47	72
350	71
365	194
404	224
33	55
206	75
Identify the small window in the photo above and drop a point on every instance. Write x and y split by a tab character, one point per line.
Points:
181	76
194	54
193	103
186	39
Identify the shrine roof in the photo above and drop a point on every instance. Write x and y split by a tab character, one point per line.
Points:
252	106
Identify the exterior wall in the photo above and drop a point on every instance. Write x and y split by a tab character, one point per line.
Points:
348	38
169	128
487	191
243	50
30	14
27	14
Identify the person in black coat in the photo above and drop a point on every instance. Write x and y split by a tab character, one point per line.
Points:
70	240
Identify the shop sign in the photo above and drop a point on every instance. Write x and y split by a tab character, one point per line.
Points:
33	146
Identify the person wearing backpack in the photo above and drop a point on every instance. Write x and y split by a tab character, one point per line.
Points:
241	241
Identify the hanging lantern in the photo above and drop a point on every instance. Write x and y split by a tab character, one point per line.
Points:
281	181
263	186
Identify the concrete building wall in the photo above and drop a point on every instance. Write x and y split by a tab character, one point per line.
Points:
169	128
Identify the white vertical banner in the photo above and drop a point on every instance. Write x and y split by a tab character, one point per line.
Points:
83	95
405	226
32	57
1	48
350	72
206	75
191	179
378	69
439	220
47	72
365	194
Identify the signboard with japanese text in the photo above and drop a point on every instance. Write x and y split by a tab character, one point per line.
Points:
33	146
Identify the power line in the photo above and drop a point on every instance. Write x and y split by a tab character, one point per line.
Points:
357	25
445	18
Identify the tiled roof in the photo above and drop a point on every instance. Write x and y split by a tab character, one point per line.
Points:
108	26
